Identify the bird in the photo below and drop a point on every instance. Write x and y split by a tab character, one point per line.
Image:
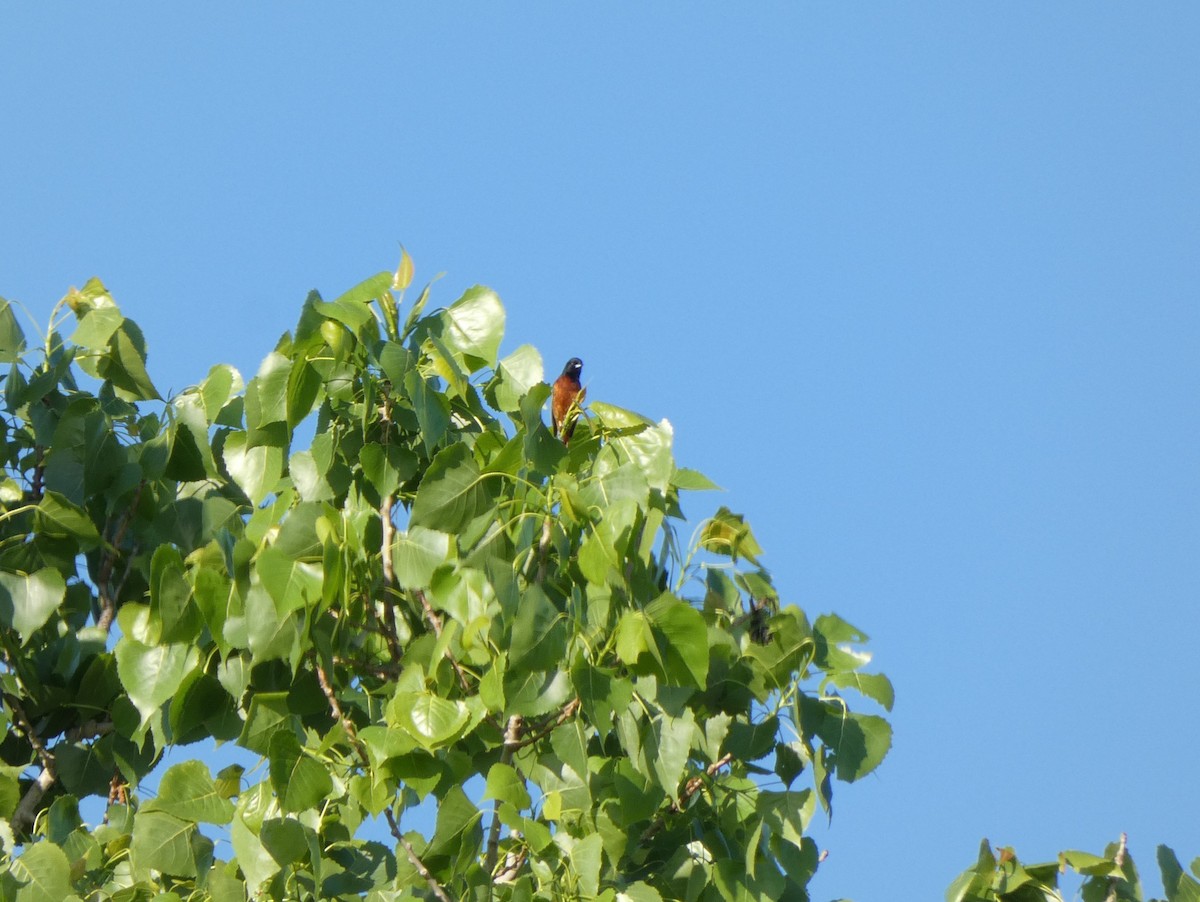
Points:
568	394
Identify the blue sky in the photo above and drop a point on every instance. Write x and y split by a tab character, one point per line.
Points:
918	284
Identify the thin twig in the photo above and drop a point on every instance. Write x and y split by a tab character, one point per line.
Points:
689	789
360	749
543	548
512	736
108	600
26	812
336	708
90	729
413	858
566	713
436	623
39	472
374	668
1119	861
391	633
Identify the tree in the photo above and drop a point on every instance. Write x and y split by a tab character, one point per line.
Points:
435	599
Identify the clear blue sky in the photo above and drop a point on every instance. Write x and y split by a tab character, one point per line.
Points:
919	284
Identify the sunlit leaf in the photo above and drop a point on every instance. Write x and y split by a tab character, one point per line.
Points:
28	600
299	780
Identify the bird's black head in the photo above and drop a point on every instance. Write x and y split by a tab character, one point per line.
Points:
573	368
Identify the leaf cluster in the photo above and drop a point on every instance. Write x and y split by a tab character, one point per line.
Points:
998	876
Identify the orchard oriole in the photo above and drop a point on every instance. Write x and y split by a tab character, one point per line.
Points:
567	393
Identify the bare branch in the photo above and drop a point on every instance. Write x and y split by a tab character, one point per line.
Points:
512	736
360	749
543	548
39	472
391	633
566	713
107	592
413	858
26	812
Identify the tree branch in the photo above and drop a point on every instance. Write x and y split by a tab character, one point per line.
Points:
512	736
39	473
543	548
690	788
104	588
1119	861
391	633
360	749
566	713
413	858
26	813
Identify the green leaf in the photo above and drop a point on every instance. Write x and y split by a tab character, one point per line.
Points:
452	493
125	365
431	407
164	843
12	338
692	481
539	635
298	780
152	674
639	892
352	308
96	328
27	601
668	745
267	393
728	533
1180	886
457	832
859	741
62	819
267	716
633	636
386	467
218	388
835	638
171	595
59	518
684	640
429	719
304	384
516	374
474	325
649	450
292	584
404	272
46	870
416	553
188	792
586	856
504	784
788	762
255	470
284	839
873	685
254	860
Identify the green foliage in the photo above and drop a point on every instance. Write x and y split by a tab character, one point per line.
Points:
1111	877
434	600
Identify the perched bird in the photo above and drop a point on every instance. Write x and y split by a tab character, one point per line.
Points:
568	393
